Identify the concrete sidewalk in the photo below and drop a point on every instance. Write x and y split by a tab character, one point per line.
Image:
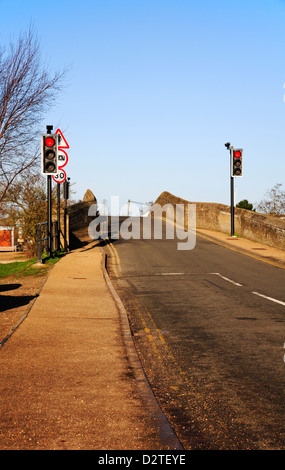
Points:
260	251
70	377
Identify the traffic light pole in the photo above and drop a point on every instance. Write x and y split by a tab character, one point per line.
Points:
230	148
49	207
58	216
232	208
232	196
49	215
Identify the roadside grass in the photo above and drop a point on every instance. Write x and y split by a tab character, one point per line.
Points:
29	267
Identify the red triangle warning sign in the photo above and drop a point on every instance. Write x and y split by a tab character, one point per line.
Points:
63	143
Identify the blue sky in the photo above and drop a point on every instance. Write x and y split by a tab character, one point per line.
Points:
157	87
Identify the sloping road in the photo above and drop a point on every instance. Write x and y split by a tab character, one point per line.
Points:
208	324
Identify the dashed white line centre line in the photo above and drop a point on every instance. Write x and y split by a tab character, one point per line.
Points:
227	279
232	282
269	298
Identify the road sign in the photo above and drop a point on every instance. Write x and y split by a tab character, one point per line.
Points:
60	177
62	158
63	143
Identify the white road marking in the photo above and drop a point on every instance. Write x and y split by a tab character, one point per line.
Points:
169	274
227	279
232	282
270	298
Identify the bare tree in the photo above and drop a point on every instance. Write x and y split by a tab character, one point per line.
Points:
25	204
26	91
274	204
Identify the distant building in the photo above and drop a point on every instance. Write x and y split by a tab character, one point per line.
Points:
7	242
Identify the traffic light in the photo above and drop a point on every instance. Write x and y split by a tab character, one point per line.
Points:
49	154
236	163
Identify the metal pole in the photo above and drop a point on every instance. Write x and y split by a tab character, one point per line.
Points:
66	197
49	206
58	216
39	243
232	198
232	208
49	215
64	216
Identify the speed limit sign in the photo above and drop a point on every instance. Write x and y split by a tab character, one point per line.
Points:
59	177
62	158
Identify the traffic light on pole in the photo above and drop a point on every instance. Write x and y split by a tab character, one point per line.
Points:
236	163
49	154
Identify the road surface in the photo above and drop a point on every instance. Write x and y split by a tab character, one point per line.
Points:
208	325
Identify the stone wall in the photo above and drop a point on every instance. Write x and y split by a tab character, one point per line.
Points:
79	219
252	225
78	215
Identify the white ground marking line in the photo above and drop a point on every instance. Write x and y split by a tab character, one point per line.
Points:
270	298
169	274
227	279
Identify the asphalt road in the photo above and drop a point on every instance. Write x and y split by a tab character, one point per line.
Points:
208	325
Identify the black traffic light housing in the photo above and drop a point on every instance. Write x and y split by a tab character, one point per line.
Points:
49	154
236	162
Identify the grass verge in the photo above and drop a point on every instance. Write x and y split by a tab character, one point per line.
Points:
29	268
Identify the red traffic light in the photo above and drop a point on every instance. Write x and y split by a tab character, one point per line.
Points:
49	142
236	162
49	148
